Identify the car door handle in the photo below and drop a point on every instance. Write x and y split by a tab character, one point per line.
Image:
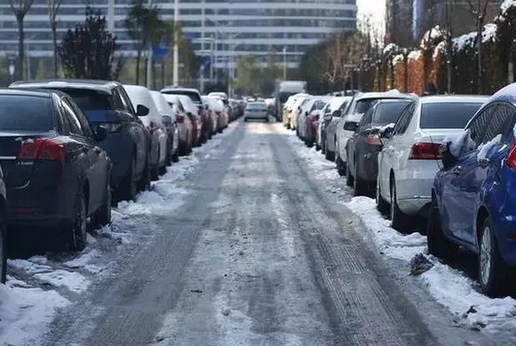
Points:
456	170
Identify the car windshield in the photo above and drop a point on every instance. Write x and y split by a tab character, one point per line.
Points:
363	105
191	94
26	113
256	105
89	100
447	115
388	112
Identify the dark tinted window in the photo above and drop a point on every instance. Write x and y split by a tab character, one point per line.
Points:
319	104
93	104
447	115
363	105
499	123
191	94
26	113
283	97
388	112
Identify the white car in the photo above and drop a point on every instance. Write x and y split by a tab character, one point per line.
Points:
288	108
168	118
312	103
410	157
140	95
329	119
256	110
296	108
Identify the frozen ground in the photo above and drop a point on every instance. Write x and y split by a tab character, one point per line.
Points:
38	287
450	287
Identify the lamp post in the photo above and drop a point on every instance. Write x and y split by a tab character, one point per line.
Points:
175	71
285	63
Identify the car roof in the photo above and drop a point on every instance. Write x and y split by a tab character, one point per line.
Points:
69	83
453	98
392	94
30	92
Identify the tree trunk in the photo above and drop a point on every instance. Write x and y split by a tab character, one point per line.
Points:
138	59
479	56
21	47
53	27
163	84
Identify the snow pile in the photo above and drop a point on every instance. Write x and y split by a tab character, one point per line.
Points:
398	59
463	41
485	148
26	311
414	55
489	33
458	141
390	48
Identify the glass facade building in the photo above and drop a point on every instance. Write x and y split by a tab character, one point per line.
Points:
218	28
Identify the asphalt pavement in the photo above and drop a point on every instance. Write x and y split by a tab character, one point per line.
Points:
258	254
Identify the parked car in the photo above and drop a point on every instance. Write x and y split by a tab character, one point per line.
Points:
195	97
308	115
141	96
210	108
331	114
256	110
472	196
190	109
218	107
106	104
289	107
296	109
357	107
55	173
168	119
184	124
365	144
410	156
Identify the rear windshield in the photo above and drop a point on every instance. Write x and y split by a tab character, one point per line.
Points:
256	106
26	113
363	106
94	104
388	112
191	94
447	115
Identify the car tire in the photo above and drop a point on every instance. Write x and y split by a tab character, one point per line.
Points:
102	216
317	147
398	218
77	230
349	178
438	244
381	204
3	247
145	182
492	270
341	166
168	158
329	155
128	188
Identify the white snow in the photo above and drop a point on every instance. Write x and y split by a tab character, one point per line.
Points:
414	55
390	48
399	58
484	149
489	33
506	5
461	42
458	141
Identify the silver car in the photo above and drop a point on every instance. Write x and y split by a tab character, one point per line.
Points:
256	110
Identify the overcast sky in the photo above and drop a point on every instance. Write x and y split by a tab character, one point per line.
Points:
375	8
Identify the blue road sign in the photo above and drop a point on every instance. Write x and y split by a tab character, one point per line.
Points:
160	50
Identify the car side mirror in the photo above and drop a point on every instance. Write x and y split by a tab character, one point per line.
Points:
350	126
142	111
336	113
386	132
166	120
100	133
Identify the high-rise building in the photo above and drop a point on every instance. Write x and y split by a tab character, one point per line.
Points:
219	28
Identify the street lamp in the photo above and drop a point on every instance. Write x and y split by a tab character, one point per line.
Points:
285	63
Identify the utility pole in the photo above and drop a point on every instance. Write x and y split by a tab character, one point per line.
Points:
149	58
111	16
175	71
285	63
201	82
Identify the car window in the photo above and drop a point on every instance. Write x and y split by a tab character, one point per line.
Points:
404	120
388	112
447	115
85	126
478	124
363	105
26	113
126	101
74	126
194	96
367	118
498	123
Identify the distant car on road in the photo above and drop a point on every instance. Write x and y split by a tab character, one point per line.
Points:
256	110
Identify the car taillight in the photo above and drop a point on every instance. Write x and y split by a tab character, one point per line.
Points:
373	140
112	127
180	118
510	161
41	149
425	151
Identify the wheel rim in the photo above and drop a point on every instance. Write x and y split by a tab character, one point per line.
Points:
485	255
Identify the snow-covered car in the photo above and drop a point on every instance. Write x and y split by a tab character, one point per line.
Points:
168	118
211	109
410	157
330	116
217	106
184	124
360	104
296	110
313	103
289	106
140	95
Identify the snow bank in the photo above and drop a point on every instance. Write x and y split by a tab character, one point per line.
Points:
448	286
25	312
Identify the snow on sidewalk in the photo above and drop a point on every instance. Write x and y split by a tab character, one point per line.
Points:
448	286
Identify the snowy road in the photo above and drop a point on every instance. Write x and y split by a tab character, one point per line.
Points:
259	253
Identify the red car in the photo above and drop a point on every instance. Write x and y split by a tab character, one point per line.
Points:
312	122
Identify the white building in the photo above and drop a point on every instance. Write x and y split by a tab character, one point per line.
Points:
231	27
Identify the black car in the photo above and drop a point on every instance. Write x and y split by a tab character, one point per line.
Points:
107	104
55	173
363	148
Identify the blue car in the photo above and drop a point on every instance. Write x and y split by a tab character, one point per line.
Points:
474	194
106	104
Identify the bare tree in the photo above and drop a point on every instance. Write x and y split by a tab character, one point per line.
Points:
479	12
332	66
20	8
53	10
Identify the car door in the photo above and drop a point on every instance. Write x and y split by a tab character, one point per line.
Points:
473	168
87	157
136	128
357	142
387	157
454	213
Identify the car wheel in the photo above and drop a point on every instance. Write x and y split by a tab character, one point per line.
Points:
78	229
145	182
349	178
3	248
492	269
341	166
438	244
128	188
398	218
103	216
381	204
